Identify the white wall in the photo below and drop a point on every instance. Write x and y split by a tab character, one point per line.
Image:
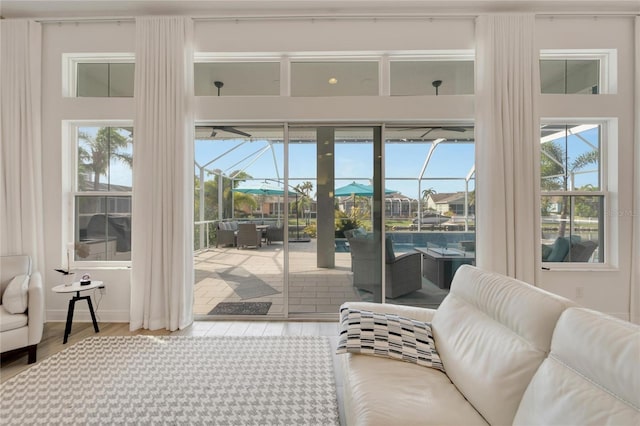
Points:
603	290
76	38
606	291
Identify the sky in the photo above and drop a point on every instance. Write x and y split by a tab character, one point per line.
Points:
354	162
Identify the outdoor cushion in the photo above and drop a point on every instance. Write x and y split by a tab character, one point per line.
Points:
388	249
15	297
559	250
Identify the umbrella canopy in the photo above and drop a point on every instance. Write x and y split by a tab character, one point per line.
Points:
262	189
358	189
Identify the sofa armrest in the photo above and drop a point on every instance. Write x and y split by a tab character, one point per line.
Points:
35	308
412	312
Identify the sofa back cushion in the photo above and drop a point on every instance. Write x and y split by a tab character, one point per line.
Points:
492	333
12	266
592	375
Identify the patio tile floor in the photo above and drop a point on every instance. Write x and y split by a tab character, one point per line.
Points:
256	275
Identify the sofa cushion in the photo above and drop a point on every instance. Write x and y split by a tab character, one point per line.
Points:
492	333
379	391
592	375
12	266
387	335
15	297
9	321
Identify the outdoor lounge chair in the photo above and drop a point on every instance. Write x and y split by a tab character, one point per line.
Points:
248	235
275	233
403	274
227	233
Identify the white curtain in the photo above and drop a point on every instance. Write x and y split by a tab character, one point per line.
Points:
162	222
634	297
21	202
507	144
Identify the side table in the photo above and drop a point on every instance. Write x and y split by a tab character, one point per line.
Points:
77	288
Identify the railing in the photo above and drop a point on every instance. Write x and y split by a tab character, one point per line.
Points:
204	234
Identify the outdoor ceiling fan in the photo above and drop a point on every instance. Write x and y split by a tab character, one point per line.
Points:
458	129
228	129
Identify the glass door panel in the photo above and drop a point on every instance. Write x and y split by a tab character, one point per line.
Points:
331	169
239	221
429	210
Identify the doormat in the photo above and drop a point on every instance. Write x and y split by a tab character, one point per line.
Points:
241	308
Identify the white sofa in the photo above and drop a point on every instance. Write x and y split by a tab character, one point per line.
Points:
21	330
513	354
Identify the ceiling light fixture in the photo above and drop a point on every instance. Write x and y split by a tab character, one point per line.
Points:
333	80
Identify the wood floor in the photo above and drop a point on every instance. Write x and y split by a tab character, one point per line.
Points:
14	363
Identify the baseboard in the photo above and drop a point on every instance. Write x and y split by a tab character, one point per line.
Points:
60	315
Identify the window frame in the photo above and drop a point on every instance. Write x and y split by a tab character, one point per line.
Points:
70	63
608	147
70	135
607	58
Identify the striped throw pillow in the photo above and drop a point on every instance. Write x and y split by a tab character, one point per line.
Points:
387	335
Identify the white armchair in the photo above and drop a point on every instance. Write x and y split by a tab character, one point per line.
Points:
20	329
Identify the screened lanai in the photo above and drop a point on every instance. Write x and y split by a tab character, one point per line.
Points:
429	202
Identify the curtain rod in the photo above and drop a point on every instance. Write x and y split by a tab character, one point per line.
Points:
341	17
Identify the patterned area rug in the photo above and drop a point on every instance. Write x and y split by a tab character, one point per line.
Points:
241	308
278	380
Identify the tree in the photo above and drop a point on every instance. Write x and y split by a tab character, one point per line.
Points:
96	153
304	196
426	193
556	174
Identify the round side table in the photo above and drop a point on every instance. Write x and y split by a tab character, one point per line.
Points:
77	288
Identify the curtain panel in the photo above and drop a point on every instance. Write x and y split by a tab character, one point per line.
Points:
507	144
162	210
21	199
634	296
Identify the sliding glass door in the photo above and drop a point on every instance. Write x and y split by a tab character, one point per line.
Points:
333	170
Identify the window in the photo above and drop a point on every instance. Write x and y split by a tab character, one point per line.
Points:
582	71
413	78
237	78
570	76
573	192
102	193
98	75
334	78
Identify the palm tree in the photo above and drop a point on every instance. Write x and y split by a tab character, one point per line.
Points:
96	153
304	200
428	192
556	174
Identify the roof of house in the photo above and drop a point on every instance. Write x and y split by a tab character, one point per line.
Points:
448	197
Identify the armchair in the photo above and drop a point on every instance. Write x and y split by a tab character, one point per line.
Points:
275	233
402	273
226	234
20	329
249	235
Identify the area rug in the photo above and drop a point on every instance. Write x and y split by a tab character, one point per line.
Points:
241	308
275	380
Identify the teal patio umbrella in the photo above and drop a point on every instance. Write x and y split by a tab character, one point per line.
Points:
264	189
358	189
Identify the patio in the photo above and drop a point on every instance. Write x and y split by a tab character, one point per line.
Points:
256	275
